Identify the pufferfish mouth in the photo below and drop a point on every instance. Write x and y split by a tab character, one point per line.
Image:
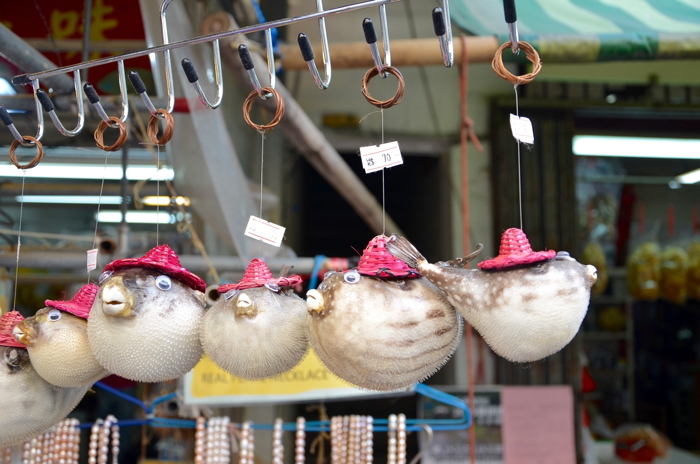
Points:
19	334
113	300
314	301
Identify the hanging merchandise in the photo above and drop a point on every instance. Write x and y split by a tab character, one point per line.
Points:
144	325
674	266
60	444
381	326
693	279
29	405
257	328
57	342
526	305
644	264
594	255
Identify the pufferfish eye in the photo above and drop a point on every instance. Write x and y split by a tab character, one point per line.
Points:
54	315
163	282
352	277
104	276
230	294
328	274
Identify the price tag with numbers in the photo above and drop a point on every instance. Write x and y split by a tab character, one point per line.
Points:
522	129
267	232
92	259
376	158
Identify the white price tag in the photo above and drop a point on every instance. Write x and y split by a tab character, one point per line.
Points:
376	158
267	232
91	259
522	129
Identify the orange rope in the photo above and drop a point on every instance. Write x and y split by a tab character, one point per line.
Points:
467	132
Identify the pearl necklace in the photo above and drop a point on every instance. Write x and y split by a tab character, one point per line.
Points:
98	451
246	452
59	445
401	454
300	442
277	446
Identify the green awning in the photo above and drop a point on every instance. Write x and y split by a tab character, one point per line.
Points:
592	30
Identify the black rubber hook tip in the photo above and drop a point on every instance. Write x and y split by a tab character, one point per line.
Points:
91	93
45	101
246	59
305	46
190	72
368	28
439	22
136	81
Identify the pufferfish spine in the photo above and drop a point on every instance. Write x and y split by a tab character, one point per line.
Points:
144	324
382	326
257	328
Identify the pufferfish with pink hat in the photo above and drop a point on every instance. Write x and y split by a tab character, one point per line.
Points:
381	326
257	328
526	305
144	323
57	342
29	405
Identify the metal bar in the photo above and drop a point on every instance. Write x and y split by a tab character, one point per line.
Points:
22	79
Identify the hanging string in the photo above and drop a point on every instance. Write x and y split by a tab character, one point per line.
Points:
262	161
99	205
19	241
158	195
381	110
520	176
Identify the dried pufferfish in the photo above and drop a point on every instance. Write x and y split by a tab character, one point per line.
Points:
528	307
57	342
257	328
144	324
381	326
29	405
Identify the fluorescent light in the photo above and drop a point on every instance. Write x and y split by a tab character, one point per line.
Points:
86	171
136	217
72	199
636	147
6	88
165	201
690	177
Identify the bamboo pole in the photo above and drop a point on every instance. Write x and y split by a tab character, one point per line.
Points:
410	52
302	132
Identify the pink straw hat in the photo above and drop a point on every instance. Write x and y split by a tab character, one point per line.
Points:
376	261
515	251
257	274
80	304
8	322
163	259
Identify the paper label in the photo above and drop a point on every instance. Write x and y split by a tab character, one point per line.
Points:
522	129
376	158
91	259
267	232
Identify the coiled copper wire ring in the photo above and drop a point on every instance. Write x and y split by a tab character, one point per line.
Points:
152	130
383	103
99	134
530	53
37	159
248	105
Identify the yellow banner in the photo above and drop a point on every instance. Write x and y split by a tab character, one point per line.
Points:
207	384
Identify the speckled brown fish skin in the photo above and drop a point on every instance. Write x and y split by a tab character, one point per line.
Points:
59	350
382	334
525	313
155	337
262	338
29	405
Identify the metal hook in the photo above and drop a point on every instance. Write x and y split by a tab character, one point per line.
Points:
93	98
443	29
512	20
49	108
191	74
371	38
308	53
248	65
7	120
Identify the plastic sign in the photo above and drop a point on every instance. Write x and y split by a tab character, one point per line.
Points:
265	231
522	129
309	381
376	158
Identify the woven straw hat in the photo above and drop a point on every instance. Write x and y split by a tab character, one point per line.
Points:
257	275
80	304
8	322
515	251
376	261
163	259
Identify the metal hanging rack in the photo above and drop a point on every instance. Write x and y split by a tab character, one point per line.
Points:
441	20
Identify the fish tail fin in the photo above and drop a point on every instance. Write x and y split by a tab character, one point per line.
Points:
404	250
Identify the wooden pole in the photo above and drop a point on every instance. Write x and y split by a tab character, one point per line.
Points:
410	52
301	131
